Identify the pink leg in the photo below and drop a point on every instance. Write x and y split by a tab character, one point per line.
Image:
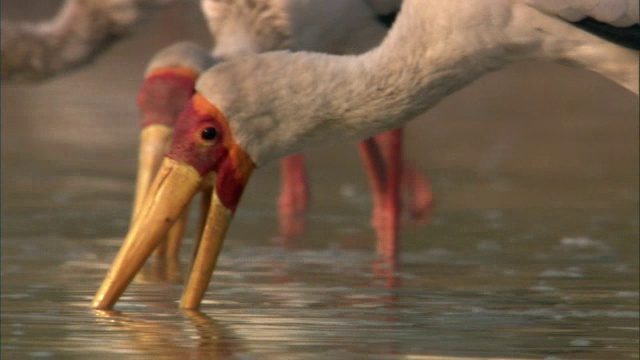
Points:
294	196
383	160
418	189
382	157
385	271
391	144
375	165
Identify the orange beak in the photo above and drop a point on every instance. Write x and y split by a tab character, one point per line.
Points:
154	143
173	188
160	99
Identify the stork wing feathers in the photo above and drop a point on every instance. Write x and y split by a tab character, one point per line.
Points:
239	25
625	36
385	11
617	13
384	7
617	21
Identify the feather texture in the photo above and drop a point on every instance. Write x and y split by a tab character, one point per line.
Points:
246	26
281	103
619	13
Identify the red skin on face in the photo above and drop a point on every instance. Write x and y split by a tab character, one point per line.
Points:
221	155
164	94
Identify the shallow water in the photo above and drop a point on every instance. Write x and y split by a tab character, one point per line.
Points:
532	250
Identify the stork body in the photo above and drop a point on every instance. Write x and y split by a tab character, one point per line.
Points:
334	27
261	108
80	30
434	49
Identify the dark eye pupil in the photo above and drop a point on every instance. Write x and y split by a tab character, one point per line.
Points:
209	133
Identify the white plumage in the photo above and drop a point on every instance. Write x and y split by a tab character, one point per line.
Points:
81	29
245	27
263	107
330	26
281	103
614	12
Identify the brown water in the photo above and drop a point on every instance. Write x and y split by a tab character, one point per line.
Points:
532	251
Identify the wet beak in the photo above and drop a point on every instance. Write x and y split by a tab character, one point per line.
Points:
154	143
206	253
173	188
224	199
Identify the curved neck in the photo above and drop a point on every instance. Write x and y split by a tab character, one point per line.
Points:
293	101
333	26
282	103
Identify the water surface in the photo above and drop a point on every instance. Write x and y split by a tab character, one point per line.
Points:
532	250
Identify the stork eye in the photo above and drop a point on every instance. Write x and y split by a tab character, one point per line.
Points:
209	133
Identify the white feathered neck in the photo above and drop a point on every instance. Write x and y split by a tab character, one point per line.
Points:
281	103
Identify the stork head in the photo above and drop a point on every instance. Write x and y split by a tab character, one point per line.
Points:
204	142
162	96
168	85
234	121
203	151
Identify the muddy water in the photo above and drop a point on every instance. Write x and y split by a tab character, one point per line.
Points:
532	250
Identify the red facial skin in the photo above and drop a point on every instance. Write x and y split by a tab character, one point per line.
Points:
221	154
164	94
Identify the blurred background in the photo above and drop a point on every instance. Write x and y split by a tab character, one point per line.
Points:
520	161
531	136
